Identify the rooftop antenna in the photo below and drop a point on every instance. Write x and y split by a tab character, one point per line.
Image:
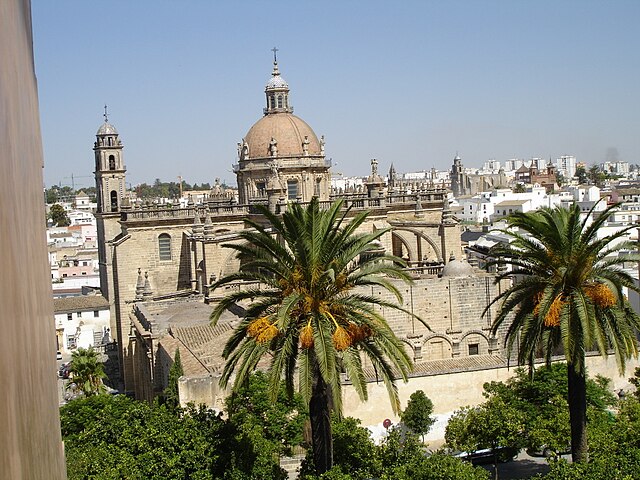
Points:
106	115
275	54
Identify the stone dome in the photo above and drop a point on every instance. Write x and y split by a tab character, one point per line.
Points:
289	132
457	268
277	82
107	129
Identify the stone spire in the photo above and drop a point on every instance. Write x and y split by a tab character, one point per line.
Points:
208	225
197	228
139	285
147	292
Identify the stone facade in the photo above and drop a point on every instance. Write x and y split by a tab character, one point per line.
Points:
150	253
453	307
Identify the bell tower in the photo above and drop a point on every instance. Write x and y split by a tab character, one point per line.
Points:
110	170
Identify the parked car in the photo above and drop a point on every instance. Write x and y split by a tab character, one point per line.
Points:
58	355
548	452
63	371
485	456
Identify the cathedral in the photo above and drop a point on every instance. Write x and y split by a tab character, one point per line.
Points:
157	262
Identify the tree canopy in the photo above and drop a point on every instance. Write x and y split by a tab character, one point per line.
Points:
87	371
417	416
59	216
308	316
569	296
171	394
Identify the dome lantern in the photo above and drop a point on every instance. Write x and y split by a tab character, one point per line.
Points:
277	91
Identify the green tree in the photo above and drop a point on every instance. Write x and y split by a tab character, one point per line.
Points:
87	371
417	415
490	425
307	314
437	466
581	174
51	195
111	437
355	454
542	398
58	216
251	410
569	297
595	175
635	381
171	394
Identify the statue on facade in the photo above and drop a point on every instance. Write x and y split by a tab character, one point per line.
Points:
245	149
374	167
322	145
305	145
273	147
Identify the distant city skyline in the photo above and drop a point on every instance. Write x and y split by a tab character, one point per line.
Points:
410	83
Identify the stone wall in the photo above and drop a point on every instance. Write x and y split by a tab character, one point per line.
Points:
451	391
453	308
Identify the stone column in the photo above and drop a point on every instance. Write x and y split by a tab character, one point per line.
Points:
31	443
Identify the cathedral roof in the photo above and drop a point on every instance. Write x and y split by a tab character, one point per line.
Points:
287	130
107	129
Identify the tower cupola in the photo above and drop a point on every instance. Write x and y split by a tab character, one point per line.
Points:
110	169
277	91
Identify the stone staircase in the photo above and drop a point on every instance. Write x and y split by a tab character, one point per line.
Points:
291	465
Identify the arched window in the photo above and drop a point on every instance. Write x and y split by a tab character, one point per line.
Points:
112	162
114	201
279	101
273	101
316	188
164	246
110	141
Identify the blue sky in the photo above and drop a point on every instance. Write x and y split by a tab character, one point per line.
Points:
408	82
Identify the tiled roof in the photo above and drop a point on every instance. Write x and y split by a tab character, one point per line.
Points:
190	363
508	203
206	342
82	303
449	365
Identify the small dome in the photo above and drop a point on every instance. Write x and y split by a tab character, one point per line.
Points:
107	129
289	132
276	82
457	268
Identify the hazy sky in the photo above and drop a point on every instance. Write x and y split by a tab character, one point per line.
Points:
409	82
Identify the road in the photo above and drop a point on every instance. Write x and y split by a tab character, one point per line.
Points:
523	467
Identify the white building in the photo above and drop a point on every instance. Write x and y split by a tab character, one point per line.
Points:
491	166
81	321
83	202
566	165
616	168
483	208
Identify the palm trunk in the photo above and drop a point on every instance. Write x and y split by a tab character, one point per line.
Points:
319	413
577	413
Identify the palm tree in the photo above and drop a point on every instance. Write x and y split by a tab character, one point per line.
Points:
570	297
308	314
87	371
